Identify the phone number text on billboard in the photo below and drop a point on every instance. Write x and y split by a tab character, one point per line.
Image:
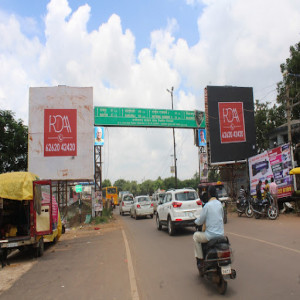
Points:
56	147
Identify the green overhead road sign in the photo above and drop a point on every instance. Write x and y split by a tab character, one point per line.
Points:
143	117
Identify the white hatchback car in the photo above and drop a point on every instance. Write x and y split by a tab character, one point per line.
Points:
179	208
125	204
142	206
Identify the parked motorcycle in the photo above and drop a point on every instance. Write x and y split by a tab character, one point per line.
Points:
265	207
244	206
217	263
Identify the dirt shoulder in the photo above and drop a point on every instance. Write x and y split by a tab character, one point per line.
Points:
21	263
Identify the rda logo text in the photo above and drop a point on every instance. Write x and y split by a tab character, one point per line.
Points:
58	123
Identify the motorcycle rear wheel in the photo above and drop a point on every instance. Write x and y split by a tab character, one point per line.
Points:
272	213
222	286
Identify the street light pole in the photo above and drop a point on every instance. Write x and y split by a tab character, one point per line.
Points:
171	92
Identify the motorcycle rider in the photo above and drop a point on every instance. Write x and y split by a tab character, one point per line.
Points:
212	216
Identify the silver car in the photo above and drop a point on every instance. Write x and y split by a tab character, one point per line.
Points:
125	204
142	206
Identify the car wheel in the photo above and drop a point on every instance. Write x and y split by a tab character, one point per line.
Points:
151	216
171	227
158	224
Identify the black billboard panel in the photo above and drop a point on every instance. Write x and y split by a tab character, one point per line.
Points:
230	122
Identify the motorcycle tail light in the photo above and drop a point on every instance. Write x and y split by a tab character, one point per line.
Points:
176	204
224	253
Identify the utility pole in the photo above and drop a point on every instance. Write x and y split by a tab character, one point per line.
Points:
171	92
288	115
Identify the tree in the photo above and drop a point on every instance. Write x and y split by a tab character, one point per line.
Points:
120	184
106	183
266	119
290	84
13	143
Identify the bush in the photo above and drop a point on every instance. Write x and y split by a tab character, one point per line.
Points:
106	216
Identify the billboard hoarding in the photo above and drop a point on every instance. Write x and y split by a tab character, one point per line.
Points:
229	123
61	133
274	163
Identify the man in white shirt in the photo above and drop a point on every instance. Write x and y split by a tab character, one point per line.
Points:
274	191
212	216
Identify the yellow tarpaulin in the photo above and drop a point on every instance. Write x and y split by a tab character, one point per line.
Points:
17	185
295	171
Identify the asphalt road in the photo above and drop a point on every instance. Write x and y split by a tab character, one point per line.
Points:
110	265
266	257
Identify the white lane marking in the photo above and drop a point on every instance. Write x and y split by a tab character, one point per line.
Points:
133	285
265	242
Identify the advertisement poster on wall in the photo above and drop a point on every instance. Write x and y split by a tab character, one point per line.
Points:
232	124
99	136
202	137
273	163
60	132
203	165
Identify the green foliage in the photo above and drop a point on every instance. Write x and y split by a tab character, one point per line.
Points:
106	216
290	84
213	175
13	143
266	119
101	219
106	183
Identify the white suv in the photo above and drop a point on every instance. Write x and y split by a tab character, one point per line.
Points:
179	208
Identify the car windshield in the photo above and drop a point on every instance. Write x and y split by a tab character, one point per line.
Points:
144	199
184	196
128	198
161	196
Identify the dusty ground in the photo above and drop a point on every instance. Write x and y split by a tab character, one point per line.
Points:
20	263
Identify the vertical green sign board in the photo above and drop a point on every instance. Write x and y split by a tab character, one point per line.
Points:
78	188
143	117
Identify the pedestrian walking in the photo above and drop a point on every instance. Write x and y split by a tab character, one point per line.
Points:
274	191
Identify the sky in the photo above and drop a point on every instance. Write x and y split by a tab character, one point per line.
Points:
132	51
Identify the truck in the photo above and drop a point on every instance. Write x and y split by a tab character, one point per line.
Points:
29	214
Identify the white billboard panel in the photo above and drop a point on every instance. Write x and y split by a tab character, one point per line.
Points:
61	132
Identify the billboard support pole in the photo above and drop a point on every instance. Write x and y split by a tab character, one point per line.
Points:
98	168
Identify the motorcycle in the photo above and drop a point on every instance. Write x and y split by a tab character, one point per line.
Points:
265	207
244	206
217	263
